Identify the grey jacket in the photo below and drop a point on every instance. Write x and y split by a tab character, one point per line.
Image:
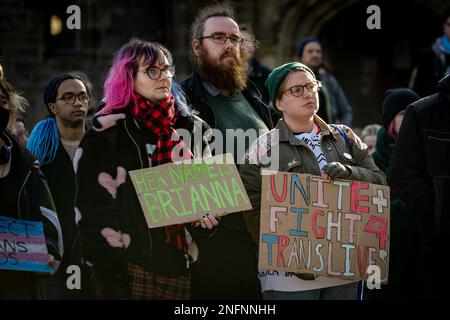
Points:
296	157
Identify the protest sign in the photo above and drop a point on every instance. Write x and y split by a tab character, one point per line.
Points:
22	245
334	228
184	192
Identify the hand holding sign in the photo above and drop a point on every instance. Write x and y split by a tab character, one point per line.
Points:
336	170
208	221
50	262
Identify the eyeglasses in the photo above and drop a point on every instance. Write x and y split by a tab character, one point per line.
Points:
298	89
222	39
154	73
70	98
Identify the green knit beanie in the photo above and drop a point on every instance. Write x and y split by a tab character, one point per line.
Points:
277	76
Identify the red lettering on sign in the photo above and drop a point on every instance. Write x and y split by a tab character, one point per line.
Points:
356	197
274	191
318	235
380	231
283	242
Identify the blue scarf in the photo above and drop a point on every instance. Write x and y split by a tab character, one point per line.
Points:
44	140
445	44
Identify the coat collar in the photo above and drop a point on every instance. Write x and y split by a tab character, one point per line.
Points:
286	134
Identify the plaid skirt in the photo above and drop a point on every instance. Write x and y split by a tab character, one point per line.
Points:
145	285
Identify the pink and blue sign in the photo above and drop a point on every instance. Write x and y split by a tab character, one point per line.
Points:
22	245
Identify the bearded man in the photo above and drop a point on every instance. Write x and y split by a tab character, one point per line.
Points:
220	91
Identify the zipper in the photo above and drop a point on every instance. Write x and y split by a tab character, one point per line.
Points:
186	256
136	145
142	167
438	139
20	192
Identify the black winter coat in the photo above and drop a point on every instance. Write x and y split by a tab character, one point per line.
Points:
34	202
120	145
420	173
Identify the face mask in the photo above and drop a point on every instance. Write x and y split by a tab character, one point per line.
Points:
4	118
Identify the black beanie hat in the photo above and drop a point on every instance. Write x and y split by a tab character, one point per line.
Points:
396	100
52	88
302	44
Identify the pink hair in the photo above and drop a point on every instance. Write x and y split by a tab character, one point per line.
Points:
119	84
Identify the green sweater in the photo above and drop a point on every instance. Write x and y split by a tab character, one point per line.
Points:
235	112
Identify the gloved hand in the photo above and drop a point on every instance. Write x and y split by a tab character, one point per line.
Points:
337	170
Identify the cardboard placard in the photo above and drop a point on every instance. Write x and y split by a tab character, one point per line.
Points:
334	228
183	192
22	245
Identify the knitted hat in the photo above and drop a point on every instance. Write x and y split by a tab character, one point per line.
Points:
396	100
277	76
303	43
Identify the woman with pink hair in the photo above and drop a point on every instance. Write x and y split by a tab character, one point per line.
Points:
143	110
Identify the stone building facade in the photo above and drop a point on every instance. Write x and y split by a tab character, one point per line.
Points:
366	62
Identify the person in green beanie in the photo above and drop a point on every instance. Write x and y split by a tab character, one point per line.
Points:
404	243
308	145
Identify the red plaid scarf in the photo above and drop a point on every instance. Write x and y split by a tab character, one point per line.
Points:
160	118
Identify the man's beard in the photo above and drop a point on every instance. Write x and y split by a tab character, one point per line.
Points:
231	78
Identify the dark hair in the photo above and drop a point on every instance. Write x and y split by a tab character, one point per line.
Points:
51	91
303	43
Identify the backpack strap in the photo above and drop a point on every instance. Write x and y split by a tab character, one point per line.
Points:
344	136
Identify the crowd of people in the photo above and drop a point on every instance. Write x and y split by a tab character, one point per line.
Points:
71	173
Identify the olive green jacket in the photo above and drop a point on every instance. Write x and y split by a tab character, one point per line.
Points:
296	157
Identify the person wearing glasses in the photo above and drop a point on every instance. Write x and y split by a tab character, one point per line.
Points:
144	109
54	142
306	145
220	91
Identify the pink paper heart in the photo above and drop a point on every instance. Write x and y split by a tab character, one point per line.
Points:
113	237
126	239
110	184
116	239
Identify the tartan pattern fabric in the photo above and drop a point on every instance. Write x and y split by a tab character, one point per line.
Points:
145	285
160	118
